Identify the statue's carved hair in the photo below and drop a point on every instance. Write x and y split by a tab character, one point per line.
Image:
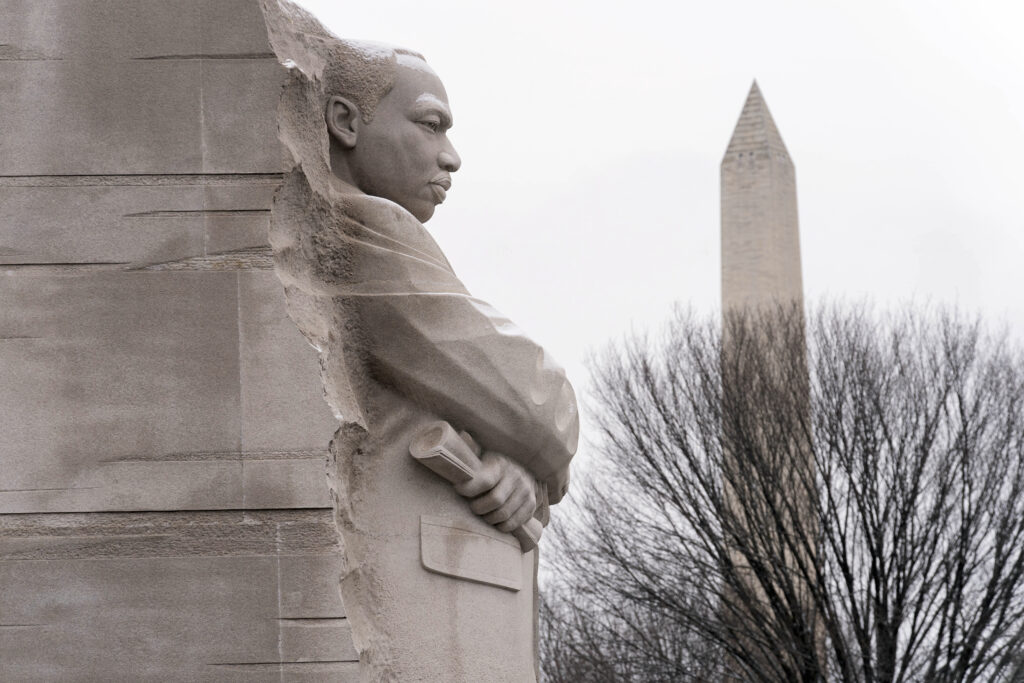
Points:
361	72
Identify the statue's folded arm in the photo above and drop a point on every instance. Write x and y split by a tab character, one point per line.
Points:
463	360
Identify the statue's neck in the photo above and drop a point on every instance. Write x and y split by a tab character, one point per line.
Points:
341	176
344	187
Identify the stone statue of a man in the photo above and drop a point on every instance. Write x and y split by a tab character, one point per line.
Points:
435	585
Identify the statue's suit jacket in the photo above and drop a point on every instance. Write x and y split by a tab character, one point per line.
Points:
432	592
420	332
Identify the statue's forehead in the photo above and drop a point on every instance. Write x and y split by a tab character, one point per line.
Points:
420	85
414	62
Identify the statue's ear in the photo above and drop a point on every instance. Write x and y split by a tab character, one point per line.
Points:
343	121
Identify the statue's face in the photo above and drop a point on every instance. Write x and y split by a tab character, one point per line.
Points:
404	153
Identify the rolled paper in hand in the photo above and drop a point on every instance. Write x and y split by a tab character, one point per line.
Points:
441	449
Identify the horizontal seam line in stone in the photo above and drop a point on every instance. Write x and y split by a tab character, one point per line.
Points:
210	55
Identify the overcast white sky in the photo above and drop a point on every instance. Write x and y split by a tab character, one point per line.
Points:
591	134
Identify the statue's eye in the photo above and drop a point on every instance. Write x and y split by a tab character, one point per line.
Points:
433	124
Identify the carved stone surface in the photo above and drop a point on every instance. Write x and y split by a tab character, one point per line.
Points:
433	591
164	513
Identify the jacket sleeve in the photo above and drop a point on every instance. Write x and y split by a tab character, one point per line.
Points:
461	358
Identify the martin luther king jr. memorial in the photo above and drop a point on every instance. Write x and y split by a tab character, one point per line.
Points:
211	220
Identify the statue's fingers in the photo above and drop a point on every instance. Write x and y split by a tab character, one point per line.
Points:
484	479
508	508
493	499
519	517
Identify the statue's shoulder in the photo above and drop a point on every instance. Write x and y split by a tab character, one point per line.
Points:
386	224
338	242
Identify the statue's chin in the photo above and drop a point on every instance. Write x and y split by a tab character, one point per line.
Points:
422	213
420	207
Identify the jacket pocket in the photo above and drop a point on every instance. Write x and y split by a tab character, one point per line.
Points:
457	549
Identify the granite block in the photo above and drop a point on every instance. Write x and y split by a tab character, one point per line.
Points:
114	366
101	224
309	587
120	123
139	117
280	374
135	619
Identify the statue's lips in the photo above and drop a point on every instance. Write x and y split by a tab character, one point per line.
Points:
440	186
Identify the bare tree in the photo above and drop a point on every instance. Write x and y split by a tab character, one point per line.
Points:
620	641
848	507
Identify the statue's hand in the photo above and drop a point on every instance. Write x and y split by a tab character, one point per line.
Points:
502	492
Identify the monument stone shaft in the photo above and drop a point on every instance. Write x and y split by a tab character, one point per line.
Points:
762	287
164	512
760	233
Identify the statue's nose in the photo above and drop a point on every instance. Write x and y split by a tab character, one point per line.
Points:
449	160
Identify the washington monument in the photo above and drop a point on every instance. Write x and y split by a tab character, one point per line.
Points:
760	235
762	292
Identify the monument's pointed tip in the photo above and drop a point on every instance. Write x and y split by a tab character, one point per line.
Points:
754	99
755	127
754	90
